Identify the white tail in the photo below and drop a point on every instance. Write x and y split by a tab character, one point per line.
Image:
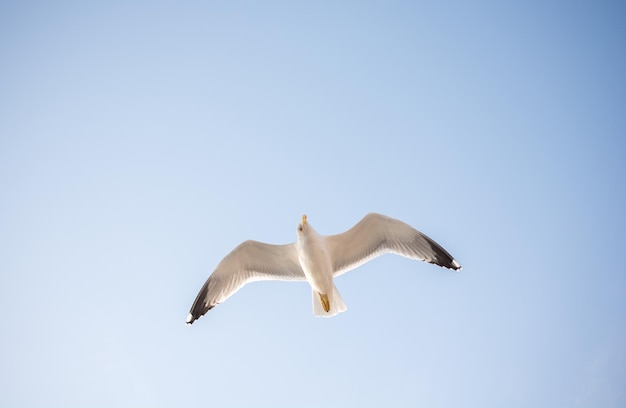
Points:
336	304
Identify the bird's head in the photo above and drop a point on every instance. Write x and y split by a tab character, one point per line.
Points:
303	226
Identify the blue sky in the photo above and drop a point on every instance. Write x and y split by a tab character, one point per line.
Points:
141	142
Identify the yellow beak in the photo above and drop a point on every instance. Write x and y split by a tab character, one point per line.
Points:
304	219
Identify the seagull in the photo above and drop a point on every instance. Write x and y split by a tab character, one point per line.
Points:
317	259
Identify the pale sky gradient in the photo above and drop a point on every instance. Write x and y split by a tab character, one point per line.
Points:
140	142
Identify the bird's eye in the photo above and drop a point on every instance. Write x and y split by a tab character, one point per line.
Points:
300	228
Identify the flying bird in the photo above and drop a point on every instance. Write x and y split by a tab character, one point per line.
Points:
317	259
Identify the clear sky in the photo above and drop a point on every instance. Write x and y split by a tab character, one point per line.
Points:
140	142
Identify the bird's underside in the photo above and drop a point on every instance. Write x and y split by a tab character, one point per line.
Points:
317	259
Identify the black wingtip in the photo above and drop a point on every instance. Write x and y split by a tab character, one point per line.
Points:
196	313
190	319
443	257
453	265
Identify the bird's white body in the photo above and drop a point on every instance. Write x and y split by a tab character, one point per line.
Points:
316	263
317	259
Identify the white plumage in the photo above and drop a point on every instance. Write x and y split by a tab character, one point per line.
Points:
317	259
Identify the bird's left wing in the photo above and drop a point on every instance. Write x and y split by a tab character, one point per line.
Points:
250	261
377	234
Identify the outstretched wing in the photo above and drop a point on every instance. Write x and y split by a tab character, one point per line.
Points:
250	261
378	234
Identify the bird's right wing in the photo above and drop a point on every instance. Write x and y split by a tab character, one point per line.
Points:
378	234
250	261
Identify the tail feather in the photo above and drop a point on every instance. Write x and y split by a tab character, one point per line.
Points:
336	304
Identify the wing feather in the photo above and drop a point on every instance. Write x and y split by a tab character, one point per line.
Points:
250	261
378	234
